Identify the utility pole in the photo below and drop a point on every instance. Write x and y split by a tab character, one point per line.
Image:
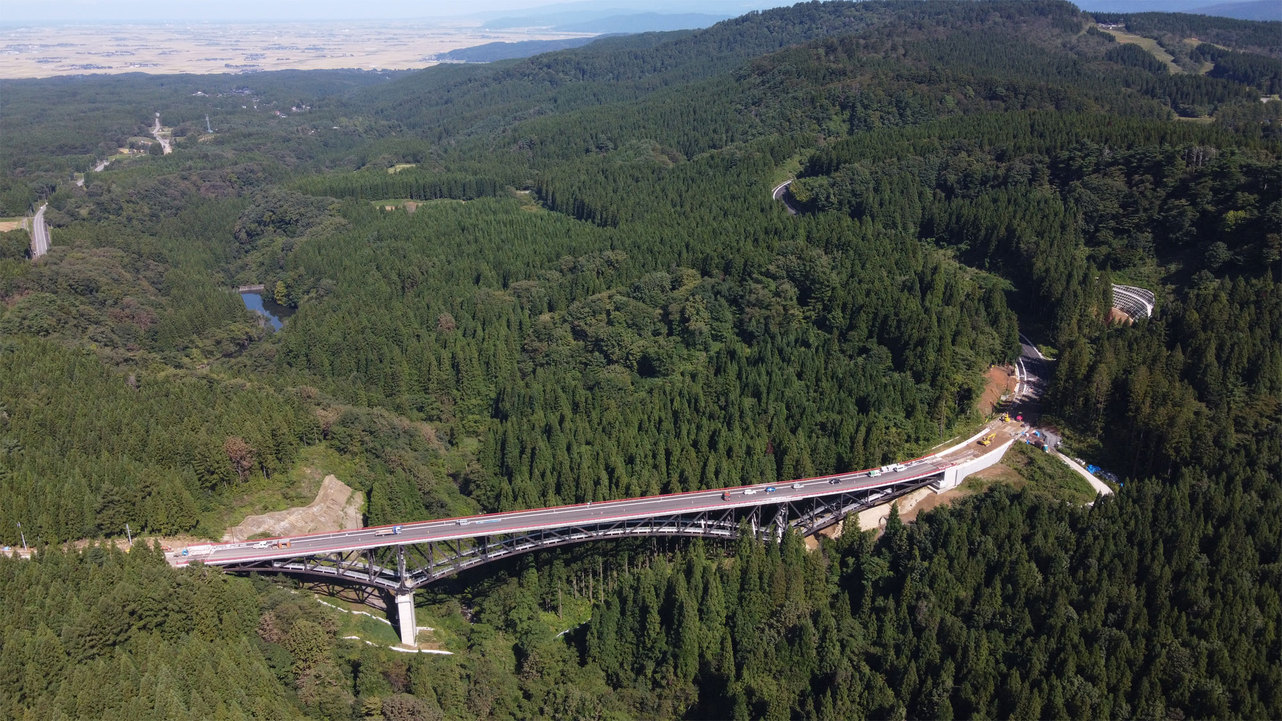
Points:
24	537
129	534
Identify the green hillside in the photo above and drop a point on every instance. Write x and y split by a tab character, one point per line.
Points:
583	290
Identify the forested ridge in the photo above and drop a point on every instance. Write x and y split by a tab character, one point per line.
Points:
583	290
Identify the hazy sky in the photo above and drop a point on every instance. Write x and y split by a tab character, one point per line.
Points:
107	11
119	11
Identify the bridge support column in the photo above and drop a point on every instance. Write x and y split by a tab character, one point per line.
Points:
405	617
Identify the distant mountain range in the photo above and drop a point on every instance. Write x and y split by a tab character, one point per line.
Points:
607	21
1253	10
492	52
671	15
1249	10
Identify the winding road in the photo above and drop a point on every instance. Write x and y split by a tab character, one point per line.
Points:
779	193
164	142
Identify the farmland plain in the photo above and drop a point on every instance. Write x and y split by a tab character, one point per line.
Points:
52	50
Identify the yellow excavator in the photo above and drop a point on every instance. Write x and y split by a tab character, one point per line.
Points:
988	439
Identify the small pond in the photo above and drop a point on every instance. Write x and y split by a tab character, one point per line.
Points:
274	313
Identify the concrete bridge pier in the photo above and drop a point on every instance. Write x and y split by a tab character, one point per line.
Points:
405	617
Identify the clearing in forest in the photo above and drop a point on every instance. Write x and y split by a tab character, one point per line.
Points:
336	507
1150	45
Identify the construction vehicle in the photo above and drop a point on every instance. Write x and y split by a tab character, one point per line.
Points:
988	439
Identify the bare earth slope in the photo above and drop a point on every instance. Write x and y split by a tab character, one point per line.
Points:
336	507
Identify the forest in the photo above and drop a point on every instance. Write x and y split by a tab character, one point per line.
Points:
563	279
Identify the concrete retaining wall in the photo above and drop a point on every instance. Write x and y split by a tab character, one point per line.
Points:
955	475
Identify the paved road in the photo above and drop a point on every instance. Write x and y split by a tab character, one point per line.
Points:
1035	368
1034	372
39	234
1100	487
778	194
164	142
564	516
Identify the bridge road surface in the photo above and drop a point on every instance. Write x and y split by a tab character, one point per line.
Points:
569	516
39	234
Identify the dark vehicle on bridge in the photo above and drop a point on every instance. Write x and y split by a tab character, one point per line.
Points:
725	495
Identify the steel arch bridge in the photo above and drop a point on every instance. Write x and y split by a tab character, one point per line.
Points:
400	568
407	566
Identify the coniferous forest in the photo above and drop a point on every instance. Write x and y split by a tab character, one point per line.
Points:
564	279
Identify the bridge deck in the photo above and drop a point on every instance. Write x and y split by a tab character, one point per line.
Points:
579	515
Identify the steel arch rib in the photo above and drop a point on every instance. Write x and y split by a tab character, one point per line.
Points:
390	567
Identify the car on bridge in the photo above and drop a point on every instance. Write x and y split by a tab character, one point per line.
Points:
796	485
771	489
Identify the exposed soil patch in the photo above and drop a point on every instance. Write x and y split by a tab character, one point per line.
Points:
1118	317
337	507
999	381
935	500
875	518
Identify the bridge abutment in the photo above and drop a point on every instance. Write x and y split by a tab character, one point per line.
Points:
405	617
